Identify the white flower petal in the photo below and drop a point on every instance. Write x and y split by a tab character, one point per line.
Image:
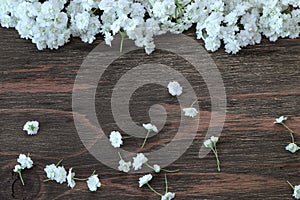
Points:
93	183
174	88
145	179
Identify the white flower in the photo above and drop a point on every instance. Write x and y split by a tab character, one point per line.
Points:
60	174
93	183
168	196
115	139
144	180
174	88
17	168
190	112
31	127
25	161
156	168
280	119
208	143
124	166
292	147
214	139
70	179
297	192
139	160
150	127
50	171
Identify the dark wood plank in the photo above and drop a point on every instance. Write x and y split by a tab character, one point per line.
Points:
262	82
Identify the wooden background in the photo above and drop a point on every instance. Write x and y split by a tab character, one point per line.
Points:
262	82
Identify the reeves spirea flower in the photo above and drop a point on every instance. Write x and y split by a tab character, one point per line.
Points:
168	196
296	193
31	127
115	139
139	160
144	180
174	88
124	166
17	168
292	147
280	119
93	183
25	161
60	175
50	171
190	112
212	144
70	179
150	127
156	168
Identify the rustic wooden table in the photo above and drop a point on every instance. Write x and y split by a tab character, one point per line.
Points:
262	82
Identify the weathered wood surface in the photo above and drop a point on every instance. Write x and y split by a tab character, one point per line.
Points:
262	82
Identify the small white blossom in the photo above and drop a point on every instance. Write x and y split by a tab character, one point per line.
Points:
174	88
208	143
139	160
156	168
93	183
214	139
115	139
60	174
70	179
292	147
17	168
31	127
297	192
280	119
124	166
150	127
25	161
190	112
50	171
168	196
144	180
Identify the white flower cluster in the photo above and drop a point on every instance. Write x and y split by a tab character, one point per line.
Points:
60	175
24	162
236	23
291	147
31	127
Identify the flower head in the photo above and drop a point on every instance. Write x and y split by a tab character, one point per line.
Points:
168	196
214	139
280	119
70	179
144	180
50	171
139	160
208	143
60	174
25	161
150	127
174	88
93	183
297	192
115	139
124	166
292	147
190	112
17	168
31	127
156	168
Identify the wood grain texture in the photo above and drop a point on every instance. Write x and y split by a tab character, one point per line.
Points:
262	82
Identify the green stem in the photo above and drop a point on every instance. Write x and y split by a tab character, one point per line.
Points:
283	124
148	132
21	178
126	137
217	157
59	162
166	181
149	166
149	186
123	34
194	103
290	184
120	156
292	136
46	180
